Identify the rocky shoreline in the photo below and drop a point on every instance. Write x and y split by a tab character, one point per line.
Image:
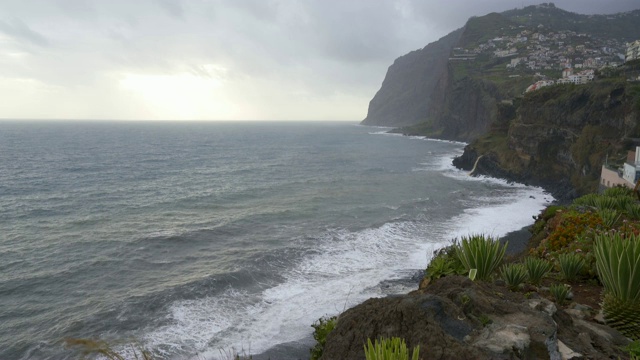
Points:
563	191
456	318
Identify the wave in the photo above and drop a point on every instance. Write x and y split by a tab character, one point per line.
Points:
342	270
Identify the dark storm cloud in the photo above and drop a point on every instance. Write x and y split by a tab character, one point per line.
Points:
454	13
358	31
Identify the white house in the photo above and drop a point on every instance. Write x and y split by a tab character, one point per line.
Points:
625	176
631	170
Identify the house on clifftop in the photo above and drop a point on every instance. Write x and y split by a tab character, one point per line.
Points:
627	175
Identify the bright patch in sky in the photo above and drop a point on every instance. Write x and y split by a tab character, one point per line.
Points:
218	59
178	96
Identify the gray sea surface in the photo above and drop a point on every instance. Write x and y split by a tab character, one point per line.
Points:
197	238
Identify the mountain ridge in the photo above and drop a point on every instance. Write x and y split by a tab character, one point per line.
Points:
555	136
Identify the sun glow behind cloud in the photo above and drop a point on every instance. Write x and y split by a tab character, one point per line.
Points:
182	96
216	60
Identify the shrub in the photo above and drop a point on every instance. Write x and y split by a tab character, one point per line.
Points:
536	269
634	350
551	211
545	215
514	275
389	349
444	263
618	266
571	226
322	327
570	265
559	292
481	253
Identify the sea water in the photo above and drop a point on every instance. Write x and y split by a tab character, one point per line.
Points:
197	238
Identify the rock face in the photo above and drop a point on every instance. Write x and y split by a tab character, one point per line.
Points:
438	91
455	318
559	137
409	87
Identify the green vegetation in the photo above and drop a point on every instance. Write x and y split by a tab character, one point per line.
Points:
559	133
570	266
389	349
322	328
559	292
484	320
536	269
634	350
444	263
618	265
480	29
482	253
623	28
514	275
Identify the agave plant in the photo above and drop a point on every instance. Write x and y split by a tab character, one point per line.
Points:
618	266
587	200
389	349
481	253
605	202
610	217
536	269
633	210
622	201
617	191
513	275
570	265
559	292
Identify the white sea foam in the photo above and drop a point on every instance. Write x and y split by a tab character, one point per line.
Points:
344	269
384	132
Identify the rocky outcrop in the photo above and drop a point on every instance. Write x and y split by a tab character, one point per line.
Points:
456	318
489	164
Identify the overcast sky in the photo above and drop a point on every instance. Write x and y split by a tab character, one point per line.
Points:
218	59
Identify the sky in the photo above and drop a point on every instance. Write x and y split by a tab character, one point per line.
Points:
218	59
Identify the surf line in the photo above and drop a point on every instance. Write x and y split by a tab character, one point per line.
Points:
475	165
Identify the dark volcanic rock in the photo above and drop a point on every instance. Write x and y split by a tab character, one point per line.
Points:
455	318
561	188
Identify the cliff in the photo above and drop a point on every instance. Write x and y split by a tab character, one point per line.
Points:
410	86
560	136
453	88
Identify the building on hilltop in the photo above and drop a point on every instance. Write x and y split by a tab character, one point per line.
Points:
539	84
633	51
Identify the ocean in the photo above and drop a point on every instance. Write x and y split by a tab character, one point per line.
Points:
194	239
